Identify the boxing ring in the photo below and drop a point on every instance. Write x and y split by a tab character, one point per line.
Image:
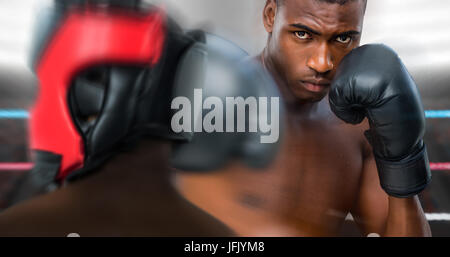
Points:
23	114
384	18
20	167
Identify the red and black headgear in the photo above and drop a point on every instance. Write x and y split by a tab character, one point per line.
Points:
106	75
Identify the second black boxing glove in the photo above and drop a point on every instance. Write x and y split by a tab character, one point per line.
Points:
372	82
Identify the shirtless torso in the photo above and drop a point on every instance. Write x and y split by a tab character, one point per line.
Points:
308	191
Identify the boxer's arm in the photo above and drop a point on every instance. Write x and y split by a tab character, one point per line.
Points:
376	212
371	208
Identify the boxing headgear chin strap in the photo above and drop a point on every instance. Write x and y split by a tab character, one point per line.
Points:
86	38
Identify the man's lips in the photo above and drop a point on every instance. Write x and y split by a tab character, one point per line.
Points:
315	86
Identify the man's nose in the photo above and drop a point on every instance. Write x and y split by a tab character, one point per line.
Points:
321	60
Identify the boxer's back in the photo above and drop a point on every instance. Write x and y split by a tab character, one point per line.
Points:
88	208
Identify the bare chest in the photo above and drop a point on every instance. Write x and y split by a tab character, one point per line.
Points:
310	187
315	179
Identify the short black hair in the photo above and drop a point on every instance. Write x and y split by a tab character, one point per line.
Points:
340	2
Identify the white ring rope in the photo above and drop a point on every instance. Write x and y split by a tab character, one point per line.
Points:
430	217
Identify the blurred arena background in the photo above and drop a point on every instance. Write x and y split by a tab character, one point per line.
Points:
417	29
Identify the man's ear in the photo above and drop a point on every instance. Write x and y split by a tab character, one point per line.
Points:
270	10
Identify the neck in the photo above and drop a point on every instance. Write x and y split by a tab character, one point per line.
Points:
145	166
293	104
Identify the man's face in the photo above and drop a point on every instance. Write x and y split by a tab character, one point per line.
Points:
308	40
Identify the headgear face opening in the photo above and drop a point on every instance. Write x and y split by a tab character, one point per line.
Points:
96	70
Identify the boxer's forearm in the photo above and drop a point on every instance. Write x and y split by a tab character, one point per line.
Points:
406	218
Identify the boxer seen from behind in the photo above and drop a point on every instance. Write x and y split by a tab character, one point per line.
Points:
353	140
100	127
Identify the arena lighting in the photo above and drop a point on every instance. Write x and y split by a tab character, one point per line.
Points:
13	59
416	29
13	35
412	27
16	22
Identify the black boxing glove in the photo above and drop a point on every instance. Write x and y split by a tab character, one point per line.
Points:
372	82
223	70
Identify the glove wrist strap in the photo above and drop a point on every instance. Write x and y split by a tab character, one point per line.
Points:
406	177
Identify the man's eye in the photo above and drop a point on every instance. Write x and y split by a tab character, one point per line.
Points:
343	39
302	34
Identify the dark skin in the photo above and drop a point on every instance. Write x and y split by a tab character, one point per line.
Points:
325	168
132	195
